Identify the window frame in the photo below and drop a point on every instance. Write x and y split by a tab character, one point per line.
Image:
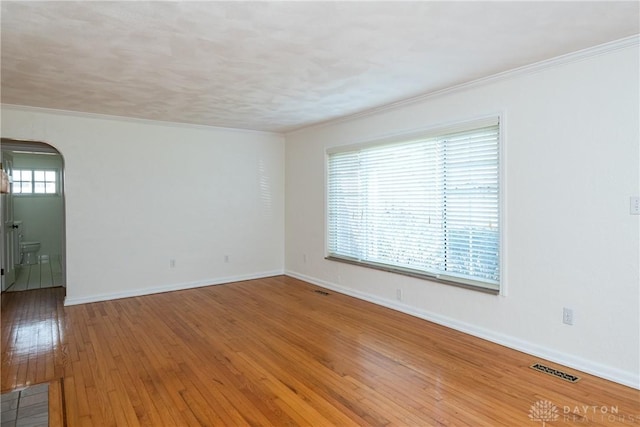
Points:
430	132
58	184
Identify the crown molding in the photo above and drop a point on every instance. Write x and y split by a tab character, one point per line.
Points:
580	55
99	116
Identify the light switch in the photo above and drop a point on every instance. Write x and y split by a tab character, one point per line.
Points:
634	205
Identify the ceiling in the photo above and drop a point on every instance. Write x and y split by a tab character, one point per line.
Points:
278	66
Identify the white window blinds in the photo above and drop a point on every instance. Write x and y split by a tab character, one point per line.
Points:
428	206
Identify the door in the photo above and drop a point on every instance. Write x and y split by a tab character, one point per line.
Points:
8	229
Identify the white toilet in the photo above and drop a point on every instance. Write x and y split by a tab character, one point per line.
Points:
29	251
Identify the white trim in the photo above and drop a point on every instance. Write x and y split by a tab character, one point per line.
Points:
169	288
627	42
502	200
99	116
626	378
430	129
425	132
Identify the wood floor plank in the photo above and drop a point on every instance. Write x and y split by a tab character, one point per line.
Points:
56	409
273	352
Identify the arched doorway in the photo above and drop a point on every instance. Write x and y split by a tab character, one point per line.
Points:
33	217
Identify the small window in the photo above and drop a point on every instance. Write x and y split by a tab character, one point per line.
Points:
34	181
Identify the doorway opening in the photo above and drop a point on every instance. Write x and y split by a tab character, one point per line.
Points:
33	217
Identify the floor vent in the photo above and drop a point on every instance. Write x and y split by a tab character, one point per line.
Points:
318	291
562	375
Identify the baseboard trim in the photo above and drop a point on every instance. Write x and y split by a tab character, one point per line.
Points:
170	288
603	371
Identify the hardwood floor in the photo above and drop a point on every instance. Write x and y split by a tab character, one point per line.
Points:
274	352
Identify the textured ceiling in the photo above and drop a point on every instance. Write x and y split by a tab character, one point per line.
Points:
277	66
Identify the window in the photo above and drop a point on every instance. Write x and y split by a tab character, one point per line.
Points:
27	181
427	206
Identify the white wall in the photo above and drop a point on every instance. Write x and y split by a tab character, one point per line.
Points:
139	194
572	162
42	215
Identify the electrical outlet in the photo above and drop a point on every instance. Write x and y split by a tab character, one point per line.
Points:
567	316
304	258
172	263
399	294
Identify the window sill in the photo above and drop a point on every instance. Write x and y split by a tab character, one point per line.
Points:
420	275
